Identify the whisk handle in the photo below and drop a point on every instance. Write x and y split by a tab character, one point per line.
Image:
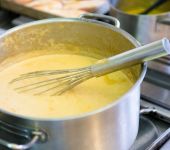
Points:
132	57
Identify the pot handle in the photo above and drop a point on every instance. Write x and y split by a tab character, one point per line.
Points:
145	111
103	18
36	137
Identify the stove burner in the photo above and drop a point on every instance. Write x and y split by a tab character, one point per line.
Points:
162	140
147	134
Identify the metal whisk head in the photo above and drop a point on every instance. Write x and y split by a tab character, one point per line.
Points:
57	81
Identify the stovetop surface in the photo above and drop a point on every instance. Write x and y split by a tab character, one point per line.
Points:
155	96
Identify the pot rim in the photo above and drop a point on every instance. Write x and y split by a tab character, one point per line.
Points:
81	116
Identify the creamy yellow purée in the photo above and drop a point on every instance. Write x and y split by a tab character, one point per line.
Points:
88	96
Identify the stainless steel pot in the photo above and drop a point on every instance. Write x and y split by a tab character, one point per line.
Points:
145	28
112	127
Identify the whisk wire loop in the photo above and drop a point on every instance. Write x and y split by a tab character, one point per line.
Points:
61	80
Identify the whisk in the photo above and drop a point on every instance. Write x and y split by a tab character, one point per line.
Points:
64	80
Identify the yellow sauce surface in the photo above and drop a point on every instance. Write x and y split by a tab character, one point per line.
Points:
140	10
136	7
86	97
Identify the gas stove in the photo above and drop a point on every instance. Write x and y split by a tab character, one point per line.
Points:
154	129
